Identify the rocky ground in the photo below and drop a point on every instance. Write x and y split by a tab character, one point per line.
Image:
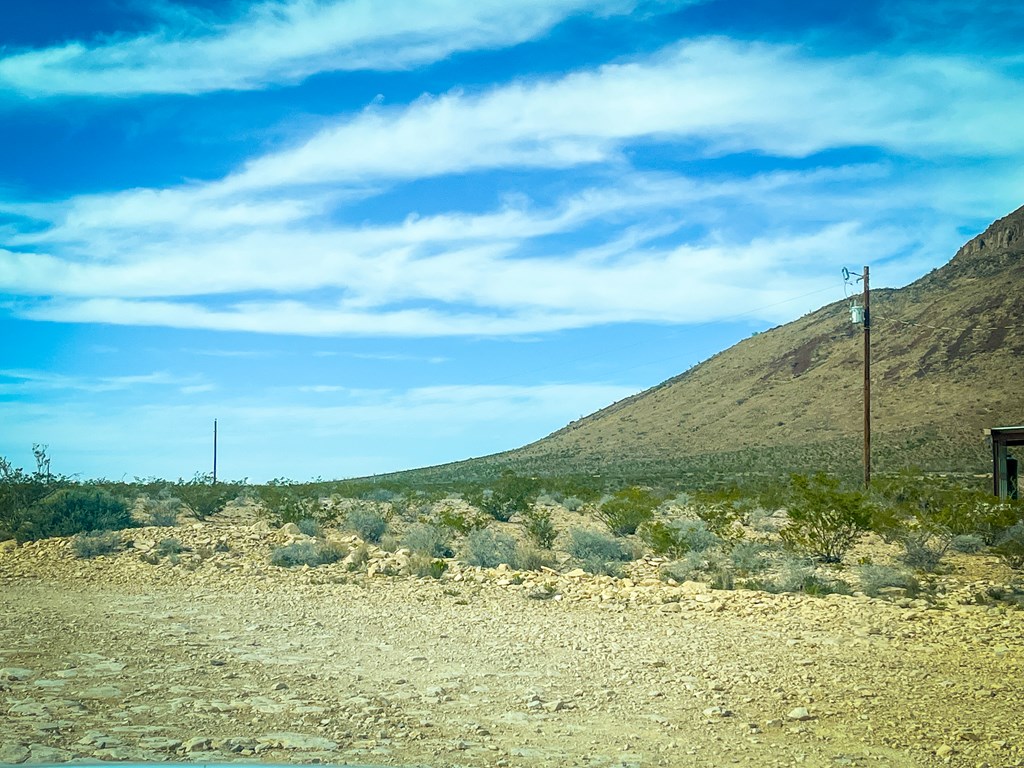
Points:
220	657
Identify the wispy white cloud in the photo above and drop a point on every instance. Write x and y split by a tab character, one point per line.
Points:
285	41
19	381
267	237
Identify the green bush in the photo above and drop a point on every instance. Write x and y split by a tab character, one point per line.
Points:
677	537
824	520
724	511
540	529
427	539
70	511
488	549
461	522
368	524
424	566
627	510
287	502
95	543
20	492
306	553
203	497
509	495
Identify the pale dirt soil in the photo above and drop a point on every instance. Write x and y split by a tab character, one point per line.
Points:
225	658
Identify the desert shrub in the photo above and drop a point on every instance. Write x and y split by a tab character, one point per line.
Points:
720	573
967	543
627	510
379	494
677	537
424	566
724	510
933	505
162	512
20	491
287	502
538	525
874	578
389	543
309	527
799	575
510	494
748	558
924	550
95	543
690	567
368	524
166	547
488	549
573	503
203	497
824	520
71	510
1010	546
530	558
306	553
460	521
427	539
596	552
357	558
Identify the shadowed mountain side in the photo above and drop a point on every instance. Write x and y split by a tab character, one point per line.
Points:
946	352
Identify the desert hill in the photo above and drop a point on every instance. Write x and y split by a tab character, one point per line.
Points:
945	357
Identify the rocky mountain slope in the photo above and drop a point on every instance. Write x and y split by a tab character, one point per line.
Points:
945	354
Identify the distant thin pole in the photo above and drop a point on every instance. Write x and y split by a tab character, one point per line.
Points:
867	380
215	451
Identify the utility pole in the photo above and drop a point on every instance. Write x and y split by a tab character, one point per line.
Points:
214	451
867	381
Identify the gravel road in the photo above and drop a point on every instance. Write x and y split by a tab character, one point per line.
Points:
230	659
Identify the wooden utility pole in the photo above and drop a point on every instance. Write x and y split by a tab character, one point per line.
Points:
214	451
867	380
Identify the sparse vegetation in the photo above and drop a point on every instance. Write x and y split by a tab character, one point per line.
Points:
1010	546
487	549
824	519
875	578
203	497
368	524
627	510
74	510
306	553
309	527
95	543
429	540
539	527
596	552
510	494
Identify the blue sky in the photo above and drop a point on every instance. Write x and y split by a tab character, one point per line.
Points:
369	235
